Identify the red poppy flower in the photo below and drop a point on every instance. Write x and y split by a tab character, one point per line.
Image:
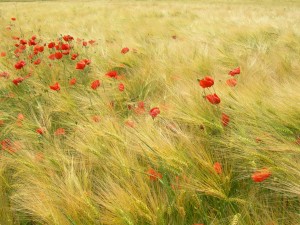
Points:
23	42
18	80
72	81
51	45
213	99
95	84
31	42
124	50
112	74
3	54
234	71
37	62
96	119
225	119
4	74
66	52
38	48
52	56
13	19
15	38
141	105
33	37
40	131
87	61
21	116
80	65
121	87
206	82
68	38
65	46
261	175
91	42
130	123
154	112
218	167
231	82
154	175
74	56
140	109
7	145
19	65
55	87
58	55
60	131
39	157
84	43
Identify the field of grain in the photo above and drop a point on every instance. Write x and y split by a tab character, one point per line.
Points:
150	112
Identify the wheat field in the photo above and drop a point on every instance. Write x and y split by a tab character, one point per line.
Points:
108	113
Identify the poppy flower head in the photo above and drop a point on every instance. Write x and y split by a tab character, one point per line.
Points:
52	56
37	62
140	109
40	131
4	74
7	145
91	42
74	56
87	61
121	87
68	38
154	175
3	54
96	118
206	82
218	167
154	112
60	131
31	42
95	84
58	55
19	65
124	50
51	45
20	117
55	87
65	46
235	71
23	42
231	82
18	80
80	65
112	74
141	105
84	43
13	19
73	81
261	175
225	119
130	123
213	99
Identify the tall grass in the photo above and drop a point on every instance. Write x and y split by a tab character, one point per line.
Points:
97	172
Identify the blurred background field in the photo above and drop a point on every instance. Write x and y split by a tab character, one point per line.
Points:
97	173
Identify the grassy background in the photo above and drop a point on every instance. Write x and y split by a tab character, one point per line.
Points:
96	173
